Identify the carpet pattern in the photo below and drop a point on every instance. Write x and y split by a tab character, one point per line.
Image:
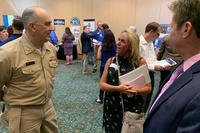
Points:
74	100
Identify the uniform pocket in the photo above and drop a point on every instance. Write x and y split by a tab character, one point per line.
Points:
31	73
28	70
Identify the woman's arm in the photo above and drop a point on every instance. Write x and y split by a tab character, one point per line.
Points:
63	38
107	87
99	54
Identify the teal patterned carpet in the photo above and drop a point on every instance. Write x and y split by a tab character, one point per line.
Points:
74	99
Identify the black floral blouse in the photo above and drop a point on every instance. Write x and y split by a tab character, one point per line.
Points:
112	109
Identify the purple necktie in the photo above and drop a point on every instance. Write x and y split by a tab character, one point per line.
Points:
175	74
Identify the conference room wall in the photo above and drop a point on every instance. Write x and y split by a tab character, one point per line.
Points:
119	14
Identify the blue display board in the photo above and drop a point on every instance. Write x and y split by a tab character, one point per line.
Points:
7	20
59	22
165	30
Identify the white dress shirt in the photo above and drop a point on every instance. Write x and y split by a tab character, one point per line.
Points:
147	52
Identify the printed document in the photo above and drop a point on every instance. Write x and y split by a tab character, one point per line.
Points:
165	62
139	76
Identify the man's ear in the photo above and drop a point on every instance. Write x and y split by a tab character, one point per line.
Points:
186	29
32	26
152	31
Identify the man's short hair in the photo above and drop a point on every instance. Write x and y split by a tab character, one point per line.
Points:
2	27
105	26
84	27
152	26
29	15
187	10
18	24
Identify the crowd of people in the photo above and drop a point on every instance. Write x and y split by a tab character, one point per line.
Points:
28	62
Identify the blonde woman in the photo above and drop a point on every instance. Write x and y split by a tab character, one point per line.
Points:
128	58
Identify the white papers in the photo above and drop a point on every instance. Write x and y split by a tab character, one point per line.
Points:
139	82
166	62
95	42
139	76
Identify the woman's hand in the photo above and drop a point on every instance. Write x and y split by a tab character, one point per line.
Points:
128	89
132	91
124	87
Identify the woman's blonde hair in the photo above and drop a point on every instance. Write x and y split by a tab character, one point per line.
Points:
133	42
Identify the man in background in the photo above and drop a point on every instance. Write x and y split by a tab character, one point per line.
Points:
132	29
86	45
176	107
27	69
97	36
17	27
53	37
166	51
3	34
152	31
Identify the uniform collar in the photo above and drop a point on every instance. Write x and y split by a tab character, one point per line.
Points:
28	46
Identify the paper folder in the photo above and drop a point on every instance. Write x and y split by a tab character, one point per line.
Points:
139	76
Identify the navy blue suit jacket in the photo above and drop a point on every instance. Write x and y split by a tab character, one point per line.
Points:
86	42
178	109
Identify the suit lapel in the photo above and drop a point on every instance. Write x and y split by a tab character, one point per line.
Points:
175	86
160	88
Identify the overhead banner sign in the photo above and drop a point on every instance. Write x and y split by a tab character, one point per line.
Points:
8	20
75	28
166	28
90	23
59	21
75	21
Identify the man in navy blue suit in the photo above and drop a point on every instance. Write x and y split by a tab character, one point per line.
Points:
176	108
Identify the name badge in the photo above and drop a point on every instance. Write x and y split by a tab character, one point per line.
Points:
30	63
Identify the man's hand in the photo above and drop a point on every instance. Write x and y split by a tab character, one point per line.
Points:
158	68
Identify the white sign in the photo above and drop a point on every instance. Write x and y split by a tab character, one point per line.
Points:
90	23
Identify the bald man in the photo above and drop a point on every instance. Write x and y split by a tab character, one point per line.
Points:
98	36
27	67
